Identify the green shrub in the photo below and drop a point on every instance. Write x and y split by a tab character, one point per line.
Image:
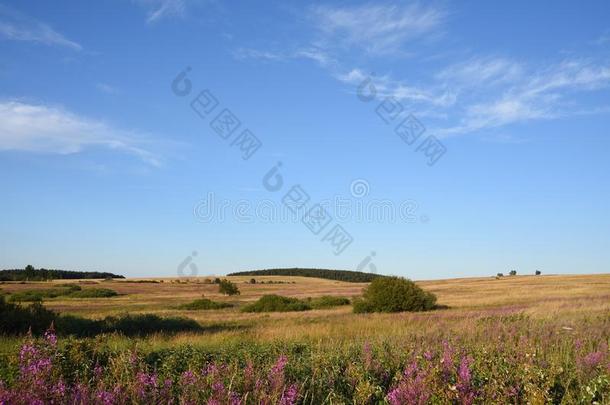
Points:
228	288
70	286
361	306
327	301
65	290
93	293
204	304
37	295
394	294
146	324
17	319
276	303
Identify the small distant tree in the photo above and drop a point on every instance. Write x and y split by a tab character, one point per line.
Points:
538	272
216	280
252	281
500	275
513	272
228	288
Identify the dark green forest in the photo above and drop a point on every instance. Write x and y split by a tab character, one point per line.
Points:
340	275
32	274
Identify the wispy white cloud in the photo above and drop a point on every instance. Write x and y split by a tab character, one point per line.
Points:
48	129
17	26
463	96
401	91
377	28
160	9
247	53
485	93
316	54
312	53
107	88
533	94
481	71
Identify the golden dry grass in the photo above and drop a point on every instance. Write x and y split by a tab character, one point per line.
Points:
563	297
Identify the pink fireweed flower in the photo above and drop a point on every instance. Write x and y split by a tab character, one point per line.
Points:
59	389
465	389
447	360
276	375
280	364
428	355
211	368
290	395
234	398
367	354
50	337
592	360
188	378
105	397
98	371
412	388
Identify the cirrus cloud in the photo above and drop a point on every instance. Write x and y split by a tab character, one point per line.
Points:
49	129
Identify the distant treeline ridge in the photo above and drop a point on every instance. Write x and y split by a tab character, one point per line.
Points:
32	274
341	275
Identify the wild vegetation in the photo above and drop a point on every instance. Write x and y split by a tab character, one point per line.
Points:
277	303
63	290
32	274
16	319
327	301
227	288
514	340
394	294
341	275
204	304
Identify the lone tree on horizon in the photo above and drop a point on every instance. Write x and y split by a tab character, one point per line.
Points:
227	288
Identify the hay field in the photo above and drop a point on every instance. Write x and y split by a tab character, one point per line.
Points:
561	299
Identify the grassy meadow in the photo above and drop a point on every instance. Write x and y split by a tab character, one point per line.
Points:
517	339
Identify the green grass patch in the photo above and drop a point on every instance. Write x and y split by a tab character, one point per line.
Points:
277	303
204	304
93	293
63	290
327	301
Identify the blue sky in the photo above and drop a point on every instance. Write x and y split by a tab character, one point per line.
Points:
104	167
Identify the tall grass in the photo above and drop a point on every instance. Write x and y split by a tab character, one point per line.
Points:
507	365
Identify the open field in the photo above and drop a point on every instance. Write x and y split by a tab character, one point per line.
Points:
559	298
554	296
536	331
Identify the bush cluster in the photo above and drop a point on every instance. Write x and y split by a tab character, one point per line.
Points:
227	288
277	303
327	301
394	294
16	319
63	290
204	304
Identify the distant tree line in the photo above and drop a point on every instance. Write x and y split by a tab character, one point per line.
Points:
340	275
32	274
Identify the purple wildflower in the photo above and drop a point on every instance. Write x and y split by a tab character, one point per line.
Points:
466	392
